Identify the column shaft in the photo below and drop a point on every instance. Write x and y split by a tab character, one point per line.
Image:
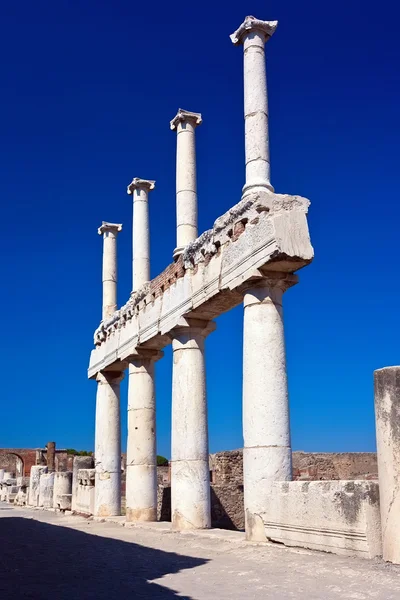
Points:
185	123
109	231
108	445
141	238
256	111
141	466
140	189
109	274
387	415
186	185
190	474
253	34
267	455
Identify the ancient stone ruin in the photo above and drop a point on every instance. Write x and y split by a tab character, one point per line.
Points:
250	256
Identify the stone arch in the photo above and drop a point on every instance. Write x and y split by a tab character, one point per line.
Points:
13	462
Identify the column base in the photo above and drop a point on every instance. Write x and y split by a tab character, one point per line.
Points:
141	514
107	494
251	188
141	493
190	495
262	466
177	252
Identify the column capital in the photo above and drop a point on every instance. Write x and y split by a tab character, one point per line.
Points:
269	287
141	184
252	24
109	377
193	326
144	354
185	115
105	227
272	280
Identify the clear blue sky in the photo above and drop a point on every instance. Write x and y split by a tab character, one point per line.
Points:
88	90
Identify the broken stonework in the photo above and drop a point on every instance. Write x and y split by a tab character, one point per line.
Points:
46	490
62	487
34	484
86	492
80	462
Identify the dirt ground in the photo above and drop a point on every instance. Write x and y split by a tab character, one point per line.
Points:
48	556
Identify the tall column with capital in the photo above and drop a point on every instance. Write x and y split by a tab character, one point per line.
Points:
190	472
141	460
185	123
109	232
267	454
253	34
108	445
140	189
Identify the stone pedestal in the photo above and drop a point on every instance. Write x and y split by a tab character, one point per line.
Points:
141	460
267	454
253	34
108	445
190	475
34	484
62	487
387	415
46	490
185	123
80	462
140	189
109	231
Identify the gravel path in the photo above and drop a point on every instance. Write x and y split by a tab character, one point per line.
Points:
47	556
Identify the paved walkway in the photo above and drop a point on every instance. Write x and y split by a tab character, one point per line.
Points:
47	556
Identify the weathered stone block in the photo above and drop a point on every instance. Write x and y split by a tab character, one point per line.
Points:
342	517
46	490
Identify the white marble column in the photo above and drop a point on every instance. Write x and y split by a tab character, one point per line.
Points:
387	415
141	460
253	34
109	232
140	189
108	445
185	123
267	454
190	471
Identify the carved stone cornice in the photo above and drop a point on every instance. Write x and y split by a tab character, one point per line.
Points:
105	226
185	115
252	24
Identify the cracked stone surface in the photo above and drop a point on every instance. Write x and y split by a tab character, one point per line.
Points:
87	559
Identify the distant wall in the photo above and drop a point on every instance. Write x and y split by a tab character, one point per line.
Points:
227	467
32	456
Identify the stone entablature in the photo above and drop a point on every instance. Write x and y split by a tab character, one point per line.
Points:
263	232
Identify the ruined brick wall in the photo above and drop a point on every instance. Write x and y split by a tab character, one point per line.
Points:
9	457
63	461
227	467
314	466
31	457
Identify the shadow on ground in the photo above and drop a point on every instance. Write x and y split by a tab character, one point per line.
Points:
42	562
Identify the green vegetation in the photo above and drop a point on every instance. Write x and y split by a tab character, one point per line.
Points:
79	452
162	461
